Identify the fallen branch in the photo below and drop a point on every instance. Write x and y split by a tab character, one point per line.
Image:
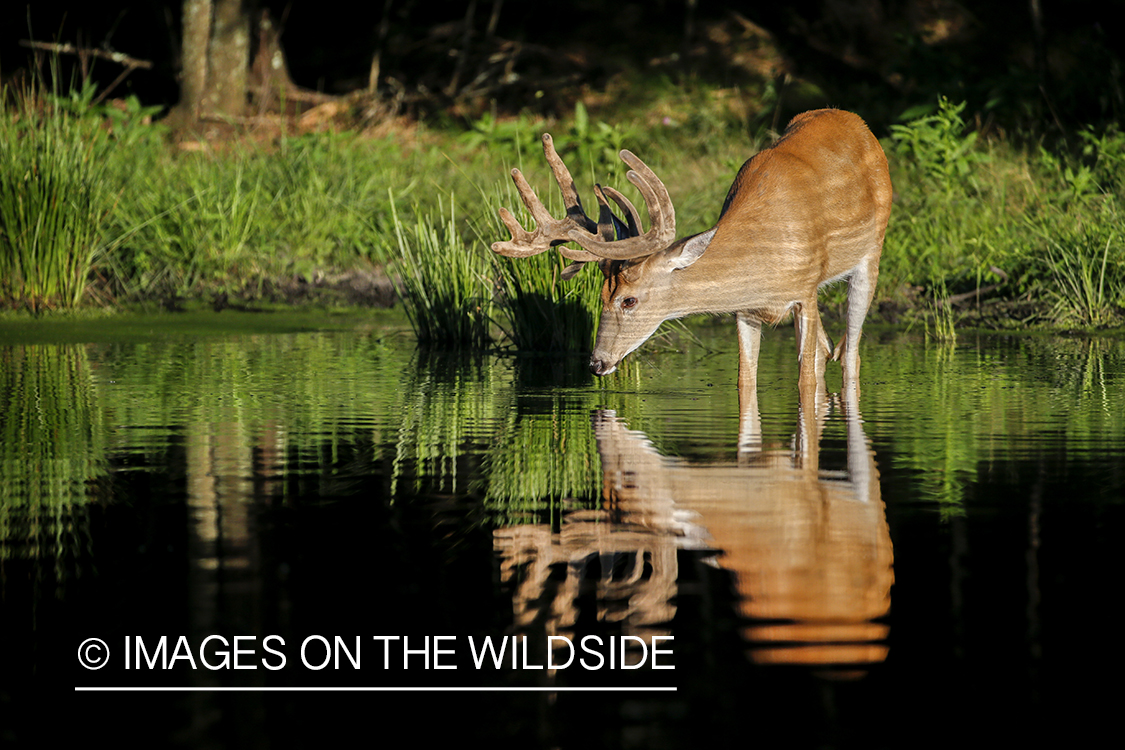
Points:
130	63
69	49
976	293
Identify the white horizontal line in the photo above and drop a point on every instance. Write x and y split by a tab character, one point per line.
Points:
143	689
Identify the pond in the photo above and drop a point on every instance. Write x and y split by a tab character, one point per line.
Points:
278	537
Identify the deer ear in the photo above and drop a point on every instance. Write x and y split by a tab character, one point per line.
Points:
689	251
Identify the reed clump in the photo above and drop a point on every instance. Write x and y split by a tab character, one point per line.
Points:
443	280
53	205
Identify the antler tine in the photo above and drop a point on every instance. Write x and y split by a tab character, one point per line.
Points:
609	228
549	231
570	197
632	215
662	216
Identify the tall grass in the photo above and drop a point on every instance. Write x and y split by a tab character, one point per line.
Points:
52	208
539	311
1087	288
939	324
443	281
228	221
543	313
457	292
200	229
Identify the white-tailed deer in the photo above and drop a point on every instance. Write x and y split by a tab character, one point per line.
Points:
809	210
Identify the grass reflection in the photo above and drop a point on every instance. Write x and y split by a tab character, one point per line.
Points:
53	452
545	455
954	411
512	434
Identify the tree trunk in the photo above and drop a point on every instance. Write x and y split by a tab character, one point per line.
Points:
380	41
215	60
197	37
229	59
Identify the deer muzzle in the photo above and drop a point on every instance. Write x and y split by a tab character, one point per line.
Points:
600	367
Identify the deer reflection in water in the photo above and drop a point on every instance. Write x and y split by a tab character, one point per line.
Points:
809	550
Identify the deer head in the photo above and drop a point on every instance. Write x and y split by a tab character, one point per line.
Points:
627	257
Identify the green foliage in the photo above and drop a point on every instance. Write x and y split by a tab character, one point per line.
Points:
537	310
127	120
52	203
510	139
1107	152
939	323
937	148
94	203
586	145
222	222
1076	181
964	207
454	288
596	145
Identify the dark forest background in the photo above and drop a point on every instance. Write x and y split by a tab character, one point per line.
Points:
1033	65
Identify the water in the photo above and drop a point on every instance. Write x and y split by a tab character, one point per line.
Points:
940	561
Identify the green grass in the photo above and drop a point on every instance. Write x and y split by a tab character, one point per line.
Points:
537	310
964	206
939	325
100	207
444	281
53	205
1087	288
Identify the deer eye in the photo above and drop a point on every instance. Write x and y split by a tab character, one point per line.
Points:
628	303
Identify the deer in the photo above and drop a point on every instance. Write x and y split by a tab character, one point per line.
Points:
808	211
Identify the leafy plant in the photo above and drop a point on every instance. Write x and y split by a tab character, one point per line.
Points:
1107	150
511	139
938	147
597	144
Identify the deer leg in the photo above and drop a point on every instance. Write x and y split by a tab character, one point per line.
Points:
825	344
861	289
749	344
811	345
811	413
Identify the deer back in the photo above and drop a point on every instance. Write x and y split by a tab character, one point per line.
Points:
814	203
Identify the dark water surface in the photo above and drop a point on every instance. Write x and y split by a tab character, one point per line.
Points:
942	562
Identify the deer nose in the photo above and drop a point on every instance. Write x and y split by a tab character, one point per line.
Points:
599	368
